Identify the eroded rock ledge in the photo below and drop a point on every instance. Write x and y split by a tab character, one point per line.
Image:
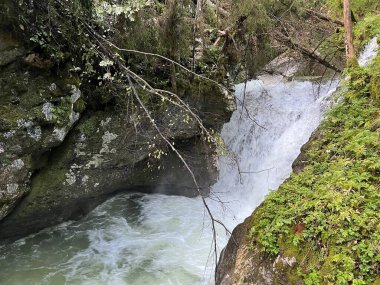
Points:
58	159
243	263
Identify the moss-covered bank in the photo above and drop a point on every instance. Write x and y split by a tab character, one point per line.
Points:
327	215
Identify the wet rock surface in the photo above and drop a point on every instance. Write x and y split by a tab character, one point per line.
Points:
36	114
58	160
243	263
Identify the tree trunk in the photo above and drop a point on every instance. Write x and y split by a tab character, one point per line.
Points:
173	77
350	51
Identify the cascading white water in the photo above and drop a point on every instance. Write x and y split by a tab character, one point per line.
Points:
156	239
286	114
369	52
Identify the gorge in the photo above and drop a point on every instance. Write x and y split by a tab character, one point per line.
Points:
189	142
156	239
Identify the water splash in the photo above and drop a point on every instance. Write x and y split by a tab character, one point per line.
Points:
262	155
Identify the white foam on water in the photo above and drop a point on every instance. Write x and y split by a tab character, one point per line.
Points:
286	114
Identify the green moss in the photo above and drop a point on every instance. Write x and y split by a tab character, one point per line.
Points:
89	125
211	15
44	181
374	70
375	88
327	215
360	8
80	106
9	117
72	80
50	178
353	62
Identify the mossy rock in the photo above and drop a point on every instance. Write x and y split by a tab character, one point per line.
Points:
80	106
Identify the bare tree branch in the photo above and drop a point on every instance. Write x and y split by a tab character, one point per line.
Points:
166	59
295	46
213	220
324	17
133	79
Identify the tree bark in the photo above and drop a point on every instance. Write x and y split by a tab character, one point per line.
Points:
173	77
350	51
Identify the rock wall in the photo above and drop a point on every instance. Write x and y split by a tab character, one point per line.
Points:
243	263
36	114
58	159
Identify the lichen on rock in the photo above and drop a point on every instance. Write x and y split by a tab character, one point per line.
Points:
28	120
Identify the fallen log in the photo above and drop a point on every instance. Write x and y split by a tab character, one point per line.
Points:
285	40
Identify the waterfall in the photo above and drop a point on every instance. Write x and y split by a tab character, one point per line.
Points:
265	137
156	239
369	52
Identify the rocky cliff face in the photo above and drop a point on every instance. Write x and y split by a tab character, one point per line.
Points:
58	160
37	112
243	263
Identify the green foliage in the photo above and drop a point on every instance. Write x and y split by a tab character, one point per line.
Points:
359	7
105	10
211	16
336	197
265	13
366	29
364	81
253	20
374	70
175	30
258	24
161	28
212	56
366	23
61	111
358	81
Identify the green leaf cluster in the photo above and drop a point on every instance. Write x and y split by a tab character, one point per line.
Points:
366	29
359	7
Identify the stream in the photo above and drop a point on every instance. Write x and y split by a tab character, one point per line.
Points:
141	239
